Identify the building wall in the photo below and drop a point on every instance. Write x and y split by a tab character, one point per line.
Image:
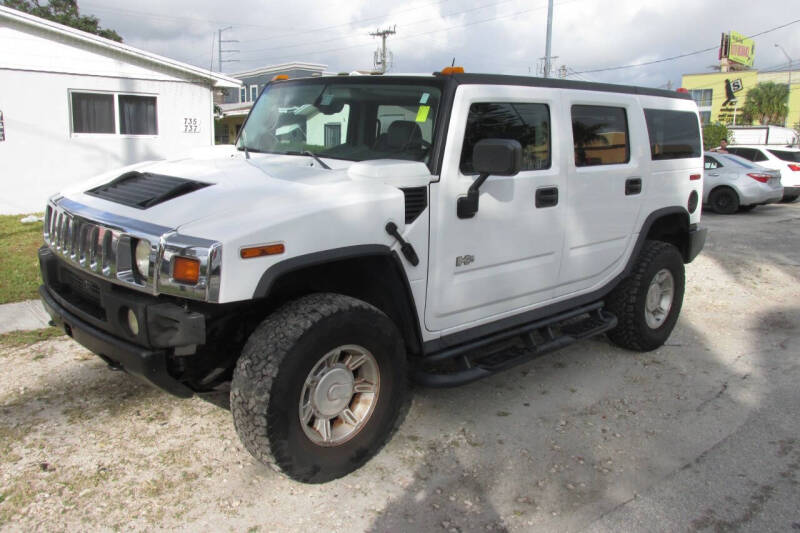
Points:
719	112
41	155
233	95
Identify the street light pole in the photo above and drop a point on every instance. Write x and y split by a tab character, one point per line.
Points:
789	85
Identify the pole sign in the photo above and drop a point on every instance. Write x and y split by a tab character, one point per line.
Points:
737	48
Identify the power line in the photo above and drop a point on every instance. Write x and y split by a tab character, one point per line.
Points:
681	55
340	38
442	30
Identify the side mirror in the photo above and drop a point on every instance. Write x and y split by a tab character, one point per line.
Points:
502	157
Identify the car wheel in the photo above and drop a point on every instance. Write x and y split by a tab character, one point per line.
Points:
746	208
647	302
320	386
724	200
789	199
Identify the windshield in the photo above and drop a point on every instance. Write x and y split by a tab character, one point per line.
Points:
351	121
786	155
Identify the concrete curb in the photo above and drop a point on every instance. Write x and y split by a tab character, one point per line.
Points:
25	315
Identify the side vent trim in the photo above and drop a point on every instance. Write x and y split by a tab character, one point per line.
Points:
416	202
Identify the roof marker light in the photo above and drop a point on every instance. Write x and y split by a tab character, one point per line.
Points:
280	77
447	71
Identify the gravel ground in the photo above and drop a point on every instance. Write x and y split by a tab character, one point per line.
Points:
700	435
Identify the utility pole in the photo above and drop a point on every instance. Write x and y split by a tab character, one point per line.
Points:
547	58
380	60
220	40
788	86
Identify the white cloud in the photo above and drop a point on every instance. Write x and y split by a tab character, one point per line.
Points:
483	35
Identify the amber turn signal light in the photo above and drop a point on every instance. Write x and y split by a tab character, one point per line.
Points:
260	251
186	270
280	77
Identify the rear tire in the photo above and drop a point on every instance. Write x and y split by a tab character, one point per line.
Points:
789	199
647	303
724	201
320	387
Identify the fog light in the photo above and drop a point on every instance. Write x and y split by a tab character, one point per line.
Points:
693	201
133	322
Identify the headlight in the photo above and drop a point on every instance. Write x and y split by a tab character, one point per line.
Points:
143	258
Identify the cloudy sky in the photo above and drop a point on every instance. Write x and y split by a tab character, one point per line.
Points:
501	36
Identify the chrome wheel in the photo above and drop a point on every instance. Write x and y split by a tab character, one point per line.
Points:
339	395
659	298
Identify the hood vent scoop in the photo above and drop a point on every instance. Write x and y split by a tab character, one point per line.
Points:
143	189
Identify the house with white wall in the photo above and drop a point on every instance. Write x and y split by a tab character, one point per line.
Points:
73	105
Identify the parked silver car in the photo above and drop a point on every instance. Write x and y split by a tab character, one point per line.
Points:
733	183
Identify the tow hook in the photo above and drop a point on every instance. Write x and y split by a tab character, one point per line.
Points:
405	246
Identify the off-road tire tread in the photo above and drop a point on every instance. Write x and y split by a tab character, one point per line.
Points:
260	362
622	300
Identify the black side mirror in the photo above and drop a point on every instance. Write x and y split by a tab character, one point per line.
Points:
502	157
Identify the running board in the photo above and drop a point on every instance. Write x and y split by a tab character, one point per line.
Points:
540	338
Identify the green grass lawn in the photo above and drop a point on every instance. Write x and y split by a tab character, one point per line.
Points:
19	265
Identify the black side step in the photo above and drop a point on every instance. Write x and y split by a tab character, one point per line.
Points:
540	338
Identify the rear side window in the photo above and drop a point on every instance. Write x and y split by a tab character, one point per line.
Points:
527	123
600	135
786	155
711	163
747	153
673	134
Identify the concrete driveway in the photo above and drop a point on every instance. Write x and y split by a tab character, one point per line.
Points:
700	435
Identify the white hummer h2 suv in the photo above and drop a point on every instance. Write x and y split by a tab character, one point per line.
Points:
365	229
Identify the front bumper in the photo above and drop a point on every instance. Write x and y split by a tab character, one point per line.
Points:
697	239
94	312
149	365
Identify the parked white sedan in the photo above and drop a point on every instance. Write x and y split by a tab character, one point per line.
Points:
782	158
734	184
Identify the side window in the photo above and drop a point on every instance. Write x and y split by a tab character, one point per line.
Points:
758	155
93	113
711	163
253	93
243	94
673	134
527	123
137	115
600	135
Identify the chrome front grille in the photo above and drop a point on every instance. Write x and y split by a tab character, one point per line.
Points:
95	247
103	245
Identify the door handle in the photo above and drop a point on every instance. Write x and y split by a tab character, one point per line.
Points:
547	197
633	186
713	173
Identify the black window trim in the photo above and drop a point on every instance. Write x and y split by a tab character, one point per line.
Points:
511	103
625	108
115	95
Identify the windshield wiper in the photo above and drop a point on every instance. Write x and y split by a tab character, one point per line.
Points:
322	163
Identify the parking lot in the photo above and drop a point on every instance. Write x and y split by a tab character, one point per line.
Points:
700	435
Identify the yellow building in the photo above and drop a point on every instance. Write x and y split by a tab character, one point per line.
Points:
720	96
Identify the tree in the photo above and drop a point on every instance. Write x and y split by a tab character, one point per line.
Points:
64	12
766	103
713	134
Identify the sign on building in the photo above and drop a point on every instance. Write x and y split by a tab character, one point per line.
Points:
737	48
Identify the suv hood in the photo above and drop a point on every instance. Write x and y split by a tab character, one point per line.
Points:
265	183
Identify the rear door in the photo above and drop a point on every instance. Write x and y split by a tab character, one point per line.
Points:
605	186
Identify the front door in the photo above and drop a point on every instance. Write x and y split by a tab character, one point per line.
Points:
506	258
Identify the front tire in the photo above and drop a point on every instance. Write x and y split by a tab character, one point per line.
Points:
320	387
724	201
647	303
